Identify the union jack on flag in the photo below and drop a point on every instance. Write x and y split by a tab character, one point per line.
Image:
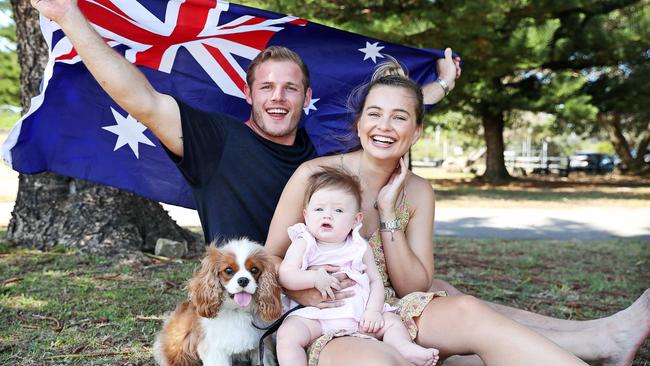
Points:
198	51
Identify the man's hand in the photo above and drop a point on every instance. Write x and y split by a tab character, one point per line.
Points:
56	10
313	297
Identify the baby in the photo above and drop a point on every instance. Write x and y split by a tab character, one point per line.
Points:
330	236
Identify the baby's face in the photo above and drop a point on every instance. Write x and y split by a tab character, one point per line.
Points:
331	214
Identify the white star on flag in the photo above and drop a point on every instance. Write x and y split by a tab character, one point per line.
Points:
128	131
311	106
372	51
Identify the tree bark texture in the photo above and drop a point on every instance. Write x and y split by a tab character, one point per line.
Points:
55	210
495	167
633	165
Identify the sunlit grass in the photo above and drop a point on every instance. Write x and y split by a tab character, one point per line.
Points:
22	302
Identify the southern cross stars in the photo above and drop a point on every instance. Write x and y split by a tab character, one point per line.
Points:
311	106
128	131
372	51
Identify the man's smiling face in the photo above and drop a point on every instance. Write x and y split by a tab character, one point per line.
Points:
277	98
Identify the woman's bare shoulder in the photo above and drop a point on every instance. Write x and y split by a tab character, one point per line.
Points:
417	186
310	167
330	160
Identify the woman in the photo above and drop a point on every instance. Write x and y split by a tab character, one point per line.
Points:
398	209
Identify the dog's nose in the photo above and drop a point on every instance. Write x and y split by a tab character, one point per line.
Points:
243	281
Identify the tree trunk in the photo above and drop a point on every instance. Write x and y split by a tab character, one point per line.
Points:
495	167
632	165
54	210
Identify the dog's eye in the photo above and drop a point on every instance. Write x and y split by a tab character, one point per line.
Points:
255	270
229	271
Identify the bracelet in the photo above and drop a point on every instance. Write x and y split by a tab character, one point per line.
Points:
390	226
444	85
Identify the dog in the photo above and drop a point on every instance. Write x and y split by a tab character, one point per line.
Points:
235	287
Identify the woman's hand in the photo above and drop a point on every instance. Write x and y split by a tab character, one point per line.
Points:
371	321
449	68
389	194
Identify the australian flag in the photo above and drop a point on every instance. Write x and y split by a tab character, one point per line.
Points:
198	51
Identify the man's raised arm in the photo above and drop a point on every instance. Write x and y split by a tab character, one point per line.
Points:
119	78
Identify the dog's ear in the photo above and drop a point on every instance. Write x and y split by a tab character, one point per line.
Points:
267	296
205	288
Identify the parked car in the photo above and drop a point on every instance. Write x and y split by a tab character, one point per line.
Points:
591	162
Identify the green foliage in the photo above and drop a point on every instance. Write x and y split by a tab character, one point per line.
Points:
543	56
9	68
9	79
604	147
8	119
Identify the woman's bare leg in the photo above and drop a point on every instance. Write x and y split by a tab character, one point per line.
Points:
613	340
353	351
472	360
458	325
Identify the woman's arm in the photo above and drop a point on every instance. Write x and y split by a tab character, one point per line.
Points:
290	275
448	69
409	252
287	212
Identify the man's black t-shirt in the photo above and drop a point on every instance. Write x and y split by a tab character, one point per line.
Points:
236	176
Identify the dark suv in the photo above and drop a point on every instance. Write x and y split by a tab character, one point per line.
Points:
591	162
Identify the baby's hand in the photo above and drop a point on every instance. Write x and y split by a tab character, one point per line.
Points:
326	283
371	321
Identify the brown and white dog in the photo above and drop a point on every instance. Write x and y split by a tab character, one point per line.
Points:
235	287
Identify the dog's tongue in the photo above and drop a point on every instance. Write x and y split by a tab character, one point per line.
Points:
243	298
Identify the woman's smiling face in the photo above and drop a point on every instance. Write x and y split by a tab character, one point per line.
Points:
387	124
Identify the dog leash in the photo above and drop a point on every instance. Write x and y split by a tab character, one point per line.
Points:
270	330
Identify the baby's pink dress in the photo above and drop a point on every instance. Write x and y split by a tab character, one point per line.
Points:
350	259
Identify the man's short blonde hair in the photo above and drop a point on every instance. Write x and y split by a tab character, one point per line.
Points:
277	53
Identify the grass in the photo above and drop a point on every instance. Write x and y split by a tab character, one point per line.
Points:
459	196
575	280
63	308
455	190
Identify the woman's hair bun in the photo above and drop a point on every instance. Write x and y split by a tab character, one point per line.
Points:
390	67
